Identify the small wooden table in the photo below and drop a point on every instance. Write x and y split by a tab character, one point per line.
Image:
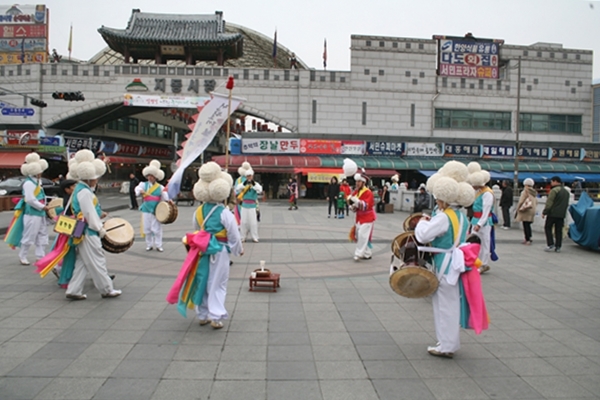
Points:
264	282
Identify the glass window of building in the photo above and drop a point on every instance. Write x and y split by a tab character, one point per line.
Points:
550	123
471	119
125	124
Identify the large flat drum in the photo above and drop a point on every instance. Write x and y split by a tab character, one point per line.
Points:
119	235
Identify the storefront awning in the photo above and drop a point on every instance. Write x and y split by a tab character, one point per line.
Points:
270	163
12	159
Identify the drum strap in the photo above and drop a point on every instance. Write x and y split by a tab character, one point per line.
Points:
454	253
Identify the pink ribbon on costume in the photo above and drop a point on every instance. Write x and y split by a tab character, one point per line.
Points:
52	257
152	198
198	242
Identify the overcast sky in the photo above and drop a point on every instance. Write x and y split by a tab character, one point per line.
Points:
302	25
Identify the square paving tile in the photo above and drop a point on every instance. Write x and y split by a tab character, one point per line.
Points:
291	370
507	388
234	389
22	388
454	388
141	369
348	390
91	368
191	370
123	388
390	370
242	370
177	389
294	390
41	367
402	389
340	370
71	389
152	352
557	387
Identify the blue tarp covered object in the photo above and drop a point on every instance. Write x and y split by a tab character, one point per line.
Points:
586	219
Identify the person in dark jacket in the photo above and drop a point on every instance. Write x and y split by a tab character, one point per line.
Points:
332	193
506	202
421	199
133	182
555	213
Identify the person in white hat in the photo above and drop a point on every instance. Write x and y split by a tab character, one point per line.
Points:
362	203
90	257
212	273
29	224
482	212
445	231
526	209
247	193
152	193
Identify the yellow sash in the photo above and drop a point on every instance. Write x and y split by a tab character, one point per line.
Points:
453	222
200	219
151	190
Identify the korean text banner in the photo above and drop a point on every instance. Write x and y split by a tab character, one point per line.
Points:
468	58
312	146
460	150
353	147
270	146
141	100
418	149
211	117
385	149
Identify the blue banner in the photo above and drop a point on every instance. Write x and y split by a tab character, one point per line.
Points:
492	151
535	152
463	150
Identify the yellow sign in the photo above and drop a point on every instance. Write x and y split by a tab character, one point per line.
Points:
322	177
65	225
30	57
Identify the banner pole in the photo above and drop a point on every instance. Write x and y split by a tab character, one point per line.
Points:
229	86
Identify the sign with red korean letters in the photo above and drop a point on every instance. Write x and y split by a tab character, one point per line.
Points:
312	146
23	14
353	147
22	31
271	146
468	59
13	138
418	149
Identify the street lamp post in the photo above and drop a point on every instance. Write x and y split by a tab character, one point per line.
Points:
517	142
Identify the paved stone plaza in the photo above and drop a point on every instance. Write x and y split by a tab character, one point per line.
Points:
334	330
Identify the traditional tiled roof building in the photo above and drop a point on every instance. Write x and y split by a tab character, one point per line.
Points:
164	37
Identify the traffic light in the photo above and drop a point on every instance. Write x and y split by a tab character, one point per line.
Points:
68	96
38	103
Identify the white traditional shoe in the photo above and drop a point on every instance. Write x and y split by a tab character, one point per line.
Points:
148	248
24	261
76	296
355	258
216	324
203	322
112	293
160	249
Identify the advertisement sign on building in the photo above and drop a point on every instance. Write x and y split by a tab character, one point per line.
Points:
568	154
391	149
492	151
312	146
468	57
353	147
19	45
419	149
23	34
271	146
21	137
141	100
591	155
535	152
463	150
114	148
23	14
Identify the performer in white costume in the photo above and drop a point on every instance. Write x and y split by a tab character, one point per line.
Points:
481	222
33	208
90	255
152	193
207	270
247	192
445	230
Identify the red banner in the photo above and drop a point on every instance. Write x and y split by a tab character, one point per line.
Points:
310	146
23	31
13	138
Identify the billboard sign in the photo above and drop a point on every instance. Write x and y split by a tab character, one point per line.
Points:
34	44
23	14
568	154
270	146
16	57
141	100
312	146
422	149
353	147
18	112
468	57
463	150
22	31
535	152
491	151
392	149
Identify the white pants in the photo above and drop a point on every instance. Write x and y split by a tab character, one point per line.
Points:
34	232
363	232
446	316
90	259
153	230
484	252
249	223
213	302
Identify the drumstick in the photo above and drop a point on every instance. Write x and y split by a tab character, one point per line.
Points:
114	227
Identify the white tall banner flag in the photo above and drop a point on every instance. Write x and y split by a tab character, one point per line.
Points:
211	117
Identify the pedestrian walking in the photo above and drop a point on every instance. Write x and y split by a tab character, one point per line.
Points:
555	212
345	187
293	193
333	189
526	207
133	183
506	202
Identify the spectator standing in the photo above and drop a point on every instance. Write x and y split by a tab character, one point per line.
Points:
133	182
506	202
384	199
422	199
526	209
293	193
344	187
555	213
332	192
